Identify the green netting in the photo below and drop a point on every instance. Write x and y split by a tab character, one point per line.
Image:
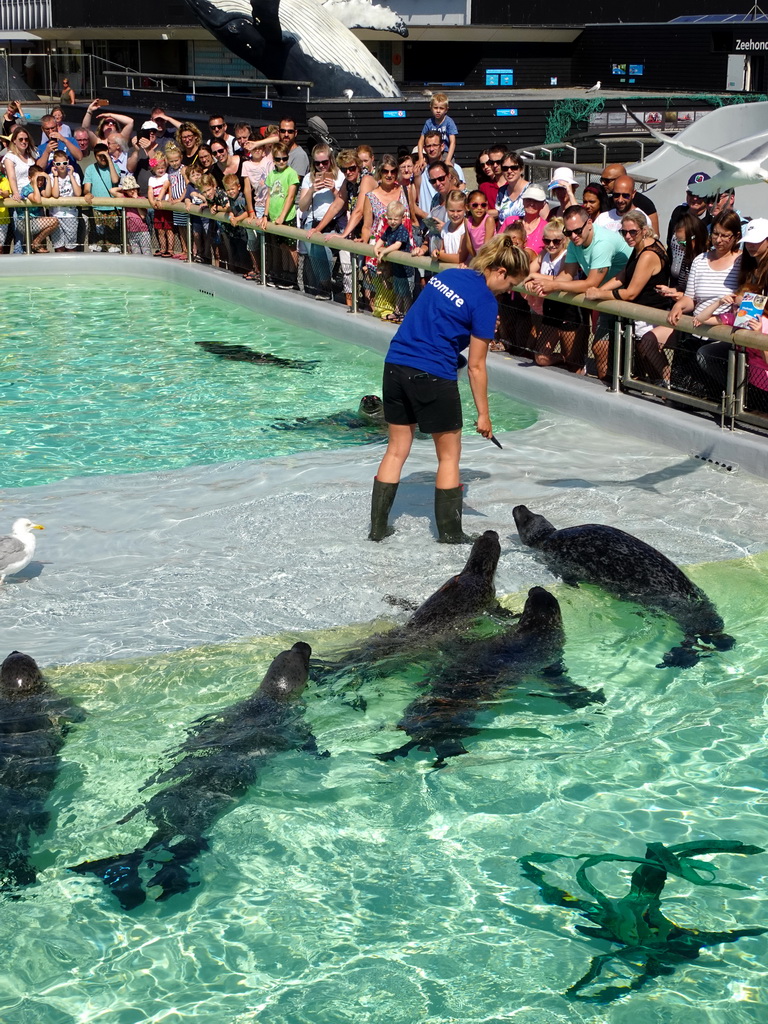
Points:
568	116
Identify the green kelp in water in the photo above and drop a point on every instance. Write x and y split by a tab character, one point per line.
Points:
653	945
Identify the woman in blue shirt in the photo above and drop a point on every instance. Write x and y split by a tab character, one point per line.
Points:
456	308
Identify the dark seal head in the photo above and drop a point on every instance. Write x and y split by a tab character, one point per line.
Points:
20	677
533	529
469	593
287	676
371	408
541	611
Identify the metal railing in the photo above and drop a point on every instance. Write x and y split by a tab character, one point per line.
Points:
25	15
153	82
736	402
587	170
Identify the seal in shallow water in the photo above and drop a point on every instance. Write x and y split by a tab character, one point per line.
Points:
631	570
221	758
33	723
483	672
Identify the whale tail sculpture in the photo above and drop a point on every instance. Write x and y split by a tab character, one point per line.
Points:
650	944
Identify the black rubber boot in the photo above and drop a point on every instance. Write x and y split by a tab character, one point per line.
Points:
381	502
448	506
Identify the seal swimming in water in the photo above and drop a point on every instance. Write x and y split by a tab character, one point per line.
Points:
631	570
243	354
220	759
450	608
33	723
483	672
369	418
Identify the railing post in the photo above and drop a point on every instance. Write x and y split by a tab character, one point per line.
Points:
263	258
189	240
742	380
354	268
629	351
27	231
729	396
123	231
616	368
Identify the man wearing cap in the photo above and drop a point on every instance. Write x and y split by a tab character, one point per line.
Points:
623	198
561	186
609	175
594	255
695	204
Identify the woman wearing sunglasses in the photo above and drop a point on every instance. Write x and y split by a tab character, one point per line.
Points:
319	191
646	269
509	200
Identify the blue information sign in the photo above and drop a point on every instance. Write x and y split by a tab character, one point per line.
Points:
507	112
393	113
500	76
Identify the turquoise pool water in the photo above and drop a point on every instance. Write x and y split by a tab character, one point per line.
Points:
347	889
108	378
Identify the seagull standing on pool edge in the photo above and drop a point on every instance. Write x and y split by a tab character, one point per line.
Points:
17	547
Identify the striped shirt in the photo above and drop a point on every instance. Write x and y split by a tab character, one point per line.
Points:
705	284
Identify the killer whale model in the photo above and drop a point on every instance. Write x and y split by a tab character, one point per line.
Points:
304	40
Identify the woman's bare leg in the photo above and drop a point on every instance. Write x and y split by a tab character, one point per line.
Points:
448	448
398	450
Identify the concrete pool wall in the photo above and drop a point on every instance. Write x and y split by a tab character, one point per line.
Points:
550	389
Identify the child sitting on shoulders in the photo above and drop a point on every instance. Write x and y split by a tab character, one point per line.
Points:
452	235
395	238
442	123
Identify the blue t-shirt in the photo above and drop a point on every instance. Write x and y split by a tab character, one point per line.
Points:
447	127
452	306
398	234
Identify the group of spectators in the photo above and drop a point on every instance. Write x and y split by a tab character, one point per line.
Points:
605	244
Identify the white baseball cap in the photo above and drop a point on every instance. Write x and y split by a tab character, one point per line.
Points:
756	230
562	175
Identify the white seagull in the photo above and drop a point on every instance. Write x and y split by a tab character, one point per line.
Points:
594	88
752	170
17	547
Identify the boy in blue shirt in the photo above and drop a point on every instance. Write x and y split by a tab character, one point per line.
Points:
442	123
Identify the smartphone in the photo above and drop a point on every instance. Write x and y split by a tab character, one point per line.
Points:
103	103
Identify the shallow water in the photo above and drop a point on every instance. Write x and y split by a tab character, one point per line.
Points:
345	889
110	378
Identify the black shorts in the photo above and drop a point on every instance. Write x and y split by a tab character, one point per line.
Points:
413	396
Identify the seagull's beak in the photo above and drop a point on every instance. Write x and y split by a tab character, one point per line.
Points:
37	526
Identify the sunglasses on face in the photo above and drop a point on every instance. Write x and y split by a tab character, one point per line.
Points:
622	195
479	206
510	167
322	163
348	170
218	152
286	131
484	163
607	181
437	180
629	231
281	159
552	241
215	127
568	232
388	172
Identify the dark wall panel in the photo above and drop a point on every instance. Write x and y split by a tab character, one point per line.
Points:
565	12
533	63
137	14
